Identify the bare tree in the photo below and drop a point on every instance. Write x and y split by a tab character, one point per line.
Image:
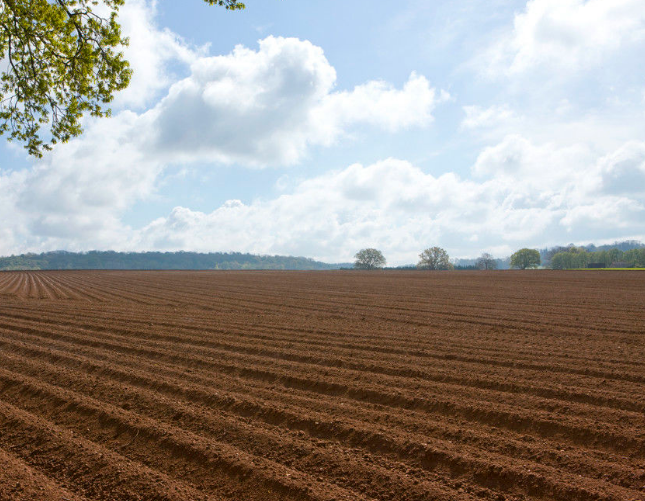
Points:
486	262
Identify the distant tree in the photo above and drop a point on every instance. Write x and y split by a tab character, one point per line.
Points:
461	267
635	256
369	259
525	258
560	261
434	258
486	262
615	255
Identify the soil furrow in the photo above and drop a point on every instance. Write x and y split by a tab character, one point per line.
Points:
308	386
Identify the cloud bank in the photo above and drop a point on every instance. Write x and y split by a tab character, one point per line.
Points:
568	34
529	183
397	207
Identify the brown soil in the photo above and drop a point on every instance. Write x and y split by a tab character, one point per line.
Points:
399	386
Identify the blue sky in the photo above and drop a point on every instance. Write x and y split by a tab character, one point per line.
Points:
319	128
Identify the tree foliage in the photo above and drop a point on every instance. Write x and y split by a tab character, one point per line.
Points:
369	259
578	257
62	59
486	262
434	258
525	258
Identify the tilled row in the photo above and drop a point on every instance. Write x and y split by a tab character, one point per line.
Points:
331	426
321	386
386	391
228	344
498	351
312	459
168	447
21	482
213	466
224	389
415	362
411	306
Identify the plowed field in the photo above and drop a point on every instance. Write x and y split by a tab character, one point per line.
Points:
322	386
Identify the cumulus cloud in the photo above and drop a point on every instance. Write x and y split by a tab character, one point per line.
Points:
268	106
380	103
568	33
601	194
400	209
521	194
623	172
79	192
625	215
249	106
76	196
252	107
151	52
545	166
391	204
12	232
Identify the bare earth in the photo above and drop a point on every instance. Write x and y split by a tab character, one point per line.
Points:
322	386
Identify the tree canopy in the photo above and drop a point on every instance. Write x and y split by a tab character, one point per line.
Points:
434	258
63	60
369	259
525	258
578	257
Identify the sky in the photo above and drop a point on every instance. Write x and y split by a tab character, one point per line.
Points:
319	128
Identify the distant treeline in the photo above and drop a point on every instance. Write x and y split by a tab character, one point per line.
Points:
630	253
110	260
548	253
471	264
572	256
579	257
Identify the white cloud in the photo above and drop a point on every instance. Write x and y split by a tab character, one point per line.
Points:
395	206
584	191
251	107
524	194
546	166
568	34
79	192
390	204
151	52
381	104
623	214
269	106
623	172
12	232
